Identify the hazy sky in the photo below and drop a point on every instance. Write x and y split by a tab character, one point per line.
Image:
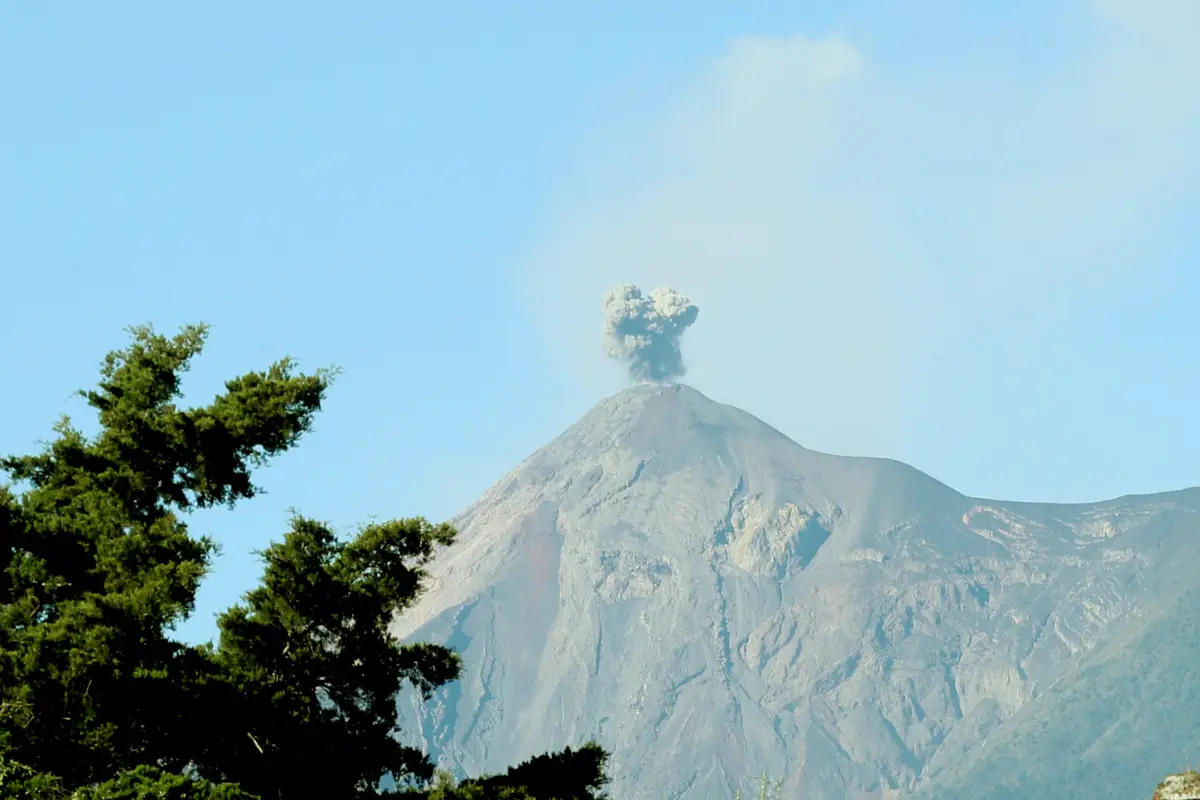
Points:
961	234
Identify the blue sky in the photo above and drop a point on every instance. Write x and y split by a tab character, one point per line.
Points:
959	234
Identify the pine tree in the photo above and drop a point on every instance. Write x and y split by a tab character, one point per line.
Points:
297	698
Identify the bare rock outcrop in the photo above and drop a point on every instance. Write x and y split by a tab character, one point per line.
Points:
1181	786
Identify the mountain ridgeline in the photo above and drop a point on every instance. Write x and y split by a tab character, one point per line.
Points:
709	600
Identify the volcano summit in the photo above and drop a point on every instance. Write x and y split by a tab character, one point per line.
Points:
708	600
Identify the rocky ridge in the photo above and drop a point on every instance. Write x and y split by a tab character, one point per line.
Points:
709	599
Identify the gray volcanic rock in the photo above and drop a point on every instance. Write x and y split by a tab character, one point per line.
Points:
708	600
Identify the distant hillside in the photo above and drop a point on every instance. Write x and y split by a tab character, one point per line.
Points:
1110	729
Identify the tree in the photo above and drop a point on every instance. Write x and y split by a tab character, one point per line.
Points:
19	782
568	775
298	696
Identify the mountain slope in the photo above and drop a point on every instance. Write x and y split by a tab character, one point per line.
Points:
1111	728
709	599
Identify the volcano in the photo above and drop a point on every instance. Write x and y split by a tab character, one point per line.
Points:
709	600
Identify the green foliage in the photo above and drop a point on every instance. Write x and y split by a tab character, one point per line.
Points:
297	699
307	671
19	782
144	783
446	788
764	790
568	775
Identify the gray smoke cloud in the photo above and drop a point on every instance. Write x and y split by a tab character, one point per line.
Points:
645	331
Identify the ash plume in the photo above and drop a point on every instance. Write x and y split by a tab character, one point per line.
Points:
644	331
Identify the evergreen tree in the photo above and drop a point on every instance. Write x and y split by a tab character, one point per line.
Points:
297	699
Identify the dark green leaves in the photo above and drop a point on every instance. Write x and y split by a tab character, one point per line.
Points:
311	645
97	565
297	700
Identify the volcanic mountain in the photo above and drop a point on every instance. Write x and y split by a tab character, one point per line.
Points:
709	600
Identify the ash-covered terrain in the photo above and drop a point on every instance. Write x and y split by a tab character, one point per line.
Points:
708	600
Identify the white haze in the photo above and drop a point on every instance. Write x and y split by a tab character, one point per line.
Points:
876	250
